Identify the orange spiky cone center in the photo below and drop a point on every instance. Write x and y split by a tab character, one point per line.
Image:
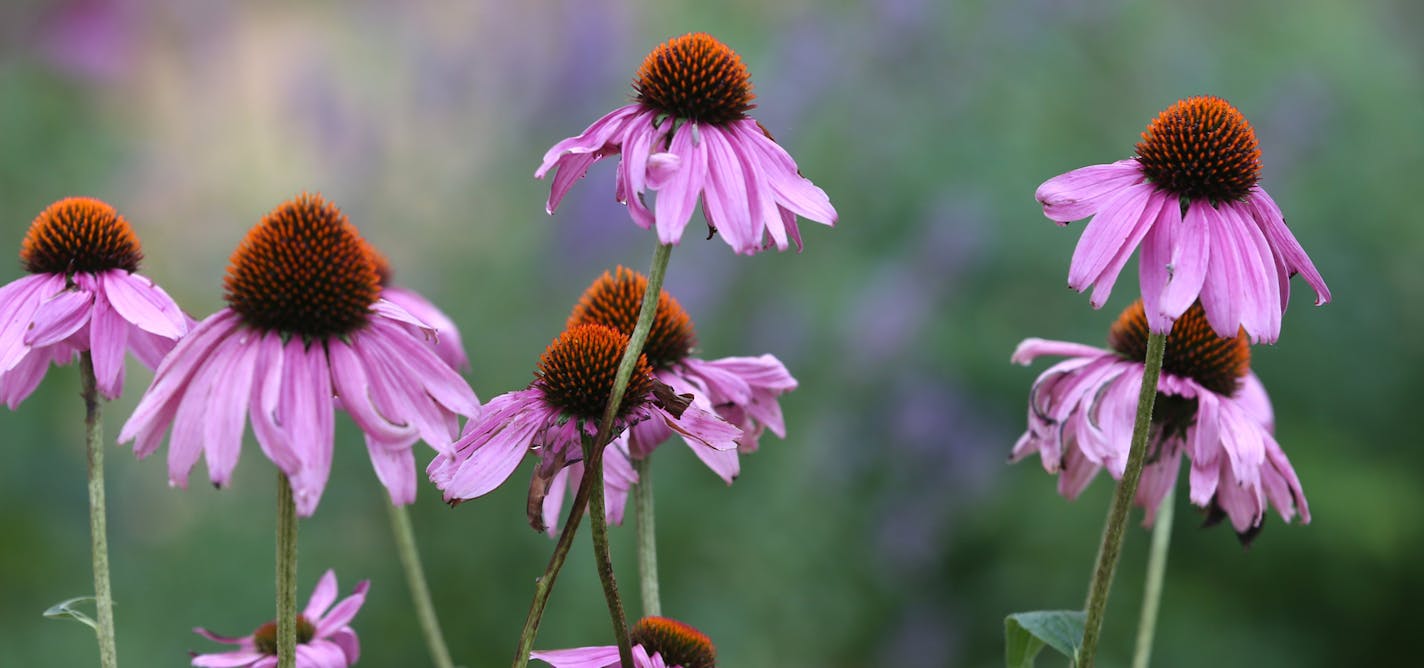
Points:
614	301
576	372
695	77
1201	148
79	234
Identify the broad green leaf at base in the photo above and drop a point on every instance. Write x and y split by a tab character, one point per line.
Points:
1025	634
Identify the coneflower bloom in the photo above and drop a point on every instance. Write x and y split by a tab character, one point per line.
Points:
1191	198
741	390
559	409
83	294
325	638
658	642
305	326
687	136
1210	407
447	338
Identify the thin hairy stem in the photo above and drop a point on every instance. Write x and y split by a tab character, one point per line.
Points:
1111	547
1156	571
647	538
419	590
545	584
98	524
286	574
598	523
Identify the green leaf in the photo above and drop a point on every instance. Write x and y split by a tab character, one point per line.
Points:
1025	634
66	610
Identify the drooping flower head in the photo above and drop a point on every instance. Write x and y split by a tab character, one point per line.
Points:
1210	407
558	410
687	136
325	638
658	642
447	340
83	294
305	330
1191	198
741	390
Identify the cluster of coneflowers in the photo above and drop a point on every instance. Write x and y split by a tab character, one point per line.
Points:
1175	379
313	327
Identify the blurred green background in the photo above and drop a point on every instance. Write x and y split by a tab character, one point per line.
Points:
886	530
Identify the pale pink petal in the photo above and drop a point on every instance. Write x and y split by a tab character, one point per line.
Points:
678	197
395	468
1106	234
1103	285
227	407
208	386
342	613
492	459
793	192
591	140
159	403
567	478
1030	349
354	387
320	654
1243	502
267	392
703	427
108	337
1077	472
448	345
725	200
19	300
1287	490
1083	191
1191	252
307	414
135	297
58	317
1222	290
18	383
345	638
227	640
1253	400
1158	477
1283	243
581	657
1204	441
1260	312
227	659
322	596
438	379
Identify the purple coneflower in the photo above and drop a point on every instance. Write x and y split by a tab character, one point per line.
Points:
741	390
1210	407
304	327
687	136
1191	198
562	407
83	294
658	642
325	638
447	338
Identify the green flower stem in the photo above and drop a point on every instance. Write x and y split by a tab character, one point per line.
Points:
419	590
545	584
598	522
1111	547
286	574
647	538
1156	570
98	525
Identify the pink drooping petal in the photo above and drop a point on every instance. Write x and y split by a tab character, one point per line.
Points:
159	404
237	659
704	428
59	317
725	200
580	657
18	302
141	302
1114	226
496	451
1191	252
108	338
1102	287
227	411
345	638
573	156
208	386
395	468
18	383
793	192
409	402
320	654
267	392
1261	313
1283	243
1243	501
355	388
1222	290
308	415
1076	473
1083	191
1158	477
678	196
1031	349
1284	488
1154	269
448	345
1252	399
438	380
1204	441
